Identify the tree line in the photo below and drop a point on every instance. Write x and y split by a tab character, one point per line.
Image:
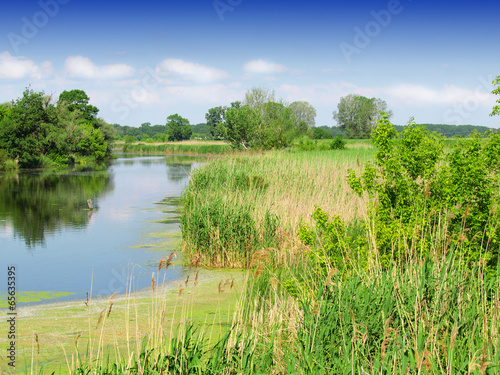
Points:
37	131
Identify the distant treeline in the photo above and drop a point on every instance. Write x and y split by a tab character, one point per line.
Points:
201	131
155	132
451	130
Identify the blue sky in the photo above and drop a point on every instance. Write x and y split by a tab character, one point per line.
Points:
143	61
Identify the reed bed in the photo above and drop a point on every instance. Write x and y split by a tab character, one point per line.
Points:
234	206
179	148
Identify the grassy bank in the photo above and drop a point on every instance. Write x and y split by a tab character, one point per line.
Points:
182	148
322	299
89	336
266	196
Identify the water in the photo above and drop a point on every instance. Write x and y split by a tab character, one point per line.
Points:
60	246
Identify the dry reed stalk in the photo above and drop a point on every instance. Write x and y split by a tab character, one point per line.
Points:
196	278
258	270
181	288
153	281
109	310
77	338
37	343
101	315
220	287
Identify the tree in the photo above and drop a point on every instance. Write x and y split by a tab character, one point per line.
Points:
357	115
496	108
240	126
258	96
38	133
303	112
78	99
214	117
278	126
24	132
178	128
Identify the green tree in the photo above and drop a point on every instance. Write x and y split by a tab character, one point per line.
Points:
357	115
214	117
257	97
178	128
38	133
79	100
303	112
496	108
240	126
278	126
24	132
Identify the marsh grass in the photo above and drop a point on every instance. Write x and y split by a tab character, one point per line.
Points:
235	206
180	148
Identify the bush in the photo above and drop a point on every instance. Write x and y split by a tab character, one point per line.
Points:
418	192
338	143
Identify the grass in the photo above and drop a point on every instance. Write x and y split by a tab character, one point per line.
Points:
178	148
62	337
328	305
315	298
281	186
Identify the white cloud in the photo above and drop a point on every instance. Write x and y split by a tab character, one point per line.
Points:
418	95
83	67
189	71
12	67
264	67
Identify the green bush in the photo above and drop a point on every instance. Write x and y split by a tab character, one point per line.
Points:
338	143
418	192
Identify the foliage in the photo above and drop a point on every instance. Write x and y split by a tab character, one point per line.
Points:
178	128
304	114
38	133
356	115
79	100
257	97
416	190
146	130
240	126
214	117
338	143
277	129
450	131
496	108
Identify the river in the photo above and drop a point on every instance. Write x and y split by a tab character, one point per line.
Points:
62	250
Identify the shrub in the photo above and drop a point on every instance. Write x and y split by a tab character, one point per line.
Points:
338	143
416	191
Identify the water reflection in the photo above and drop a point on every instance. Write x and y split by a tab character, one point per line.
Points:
35	204
47	231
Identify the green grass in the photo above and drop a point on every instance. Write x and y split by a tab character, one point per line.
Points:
316	298
179	148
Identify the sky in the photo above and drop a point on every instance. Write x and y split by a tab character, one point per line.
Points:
143	61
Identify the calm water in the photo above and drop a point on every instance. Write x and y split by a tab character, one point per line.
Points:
58	245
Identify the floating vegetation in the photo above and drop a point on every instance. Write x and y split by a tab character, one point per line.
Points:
32	296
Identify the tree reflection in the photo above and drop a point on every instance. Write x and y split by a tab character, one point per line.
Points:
37	204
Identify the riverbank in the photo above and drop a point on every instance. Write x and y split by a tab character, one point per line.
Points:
51	336
176	148
327	297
